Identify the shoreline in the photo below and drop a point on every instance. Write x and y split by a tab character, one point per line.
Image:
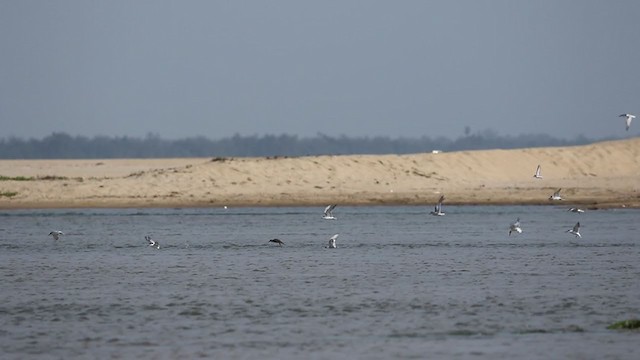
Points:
589	204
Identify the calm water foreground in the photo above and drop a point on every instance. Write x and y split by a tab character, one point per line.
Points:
401	284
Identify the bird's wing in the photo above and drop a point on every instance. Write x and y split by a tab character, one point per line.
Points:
576	228
334	237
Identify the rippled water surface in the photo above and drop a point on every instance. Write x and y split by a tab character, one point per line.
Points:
401	284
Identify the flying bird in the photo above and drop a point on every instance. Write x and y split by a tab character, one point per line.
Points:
56	234
537	174
628	119
327	212
576	230
437	211
152	243
332	242
277	241
576	210
556	195
515	227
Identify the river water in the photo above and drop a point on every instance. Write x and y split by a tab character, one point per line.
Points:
401	283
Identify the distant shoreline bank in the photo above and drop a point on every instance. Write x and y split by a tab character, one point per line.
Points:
601	175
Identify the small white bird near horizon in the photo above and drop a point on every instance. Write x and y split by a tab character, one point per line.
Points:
576	210
628	119
56	234
537	175
437	211
327	212
332	242
515	227
576	230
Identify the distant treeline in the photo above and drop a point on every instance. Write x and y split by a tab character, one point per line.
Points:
64	146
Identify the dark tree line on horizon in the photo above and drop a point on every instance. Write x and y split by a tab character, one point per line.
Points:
64	146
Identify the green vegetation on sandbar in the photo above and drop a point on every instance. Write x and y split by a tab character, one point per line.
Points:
15	178
625	324
52	177
8	193
31	178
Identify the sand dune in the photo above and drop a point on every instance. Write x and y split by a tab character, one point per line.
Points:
598	175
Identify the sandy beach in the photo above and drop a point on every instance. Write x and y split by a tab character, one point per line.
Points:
599	175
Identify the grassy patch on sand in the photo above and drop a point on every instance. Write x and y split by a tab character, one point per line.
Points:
31	178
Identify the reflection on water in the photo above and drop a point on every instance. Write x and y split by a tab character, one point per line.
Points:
401	283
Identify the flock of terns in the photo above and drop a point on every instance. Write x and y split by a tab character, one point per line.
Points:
156	244
515	227
437	211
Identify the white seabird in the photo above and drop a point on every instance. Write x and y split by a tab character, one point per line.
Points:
332	242
576	230
515	227
537	175
327	212
556	195
152	243
576	210
437	211
628	119
56	234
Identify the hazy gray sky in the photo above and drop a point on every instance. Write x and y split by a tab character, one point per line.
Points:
396	68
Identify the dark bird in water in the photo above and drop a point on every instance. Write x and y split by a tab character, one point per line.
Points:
277	241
